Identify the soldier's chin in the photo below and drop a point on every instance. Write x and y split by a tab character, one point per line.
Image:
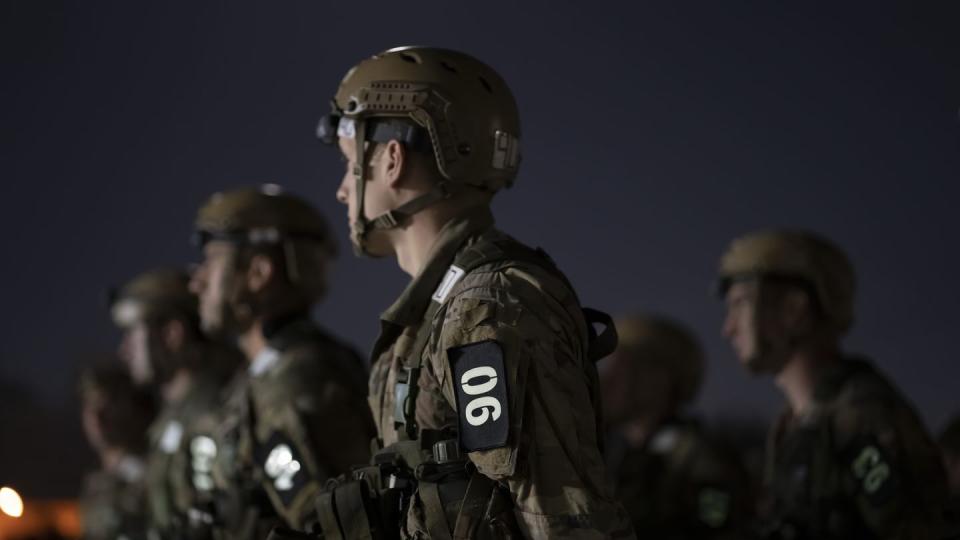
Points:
374	247
213	328
762	365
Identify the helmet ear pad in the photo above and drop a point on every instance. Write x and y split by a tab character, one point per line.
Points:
785	318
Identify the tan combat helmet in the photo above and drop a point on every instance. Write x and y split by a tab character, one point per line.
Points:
666	343
152	296
267	216
435	99
796	255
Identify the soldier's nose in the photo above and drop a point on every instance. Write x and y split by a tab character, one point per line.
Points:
196	280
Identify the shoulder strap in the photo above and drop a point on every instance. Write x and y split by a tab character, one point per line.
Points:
469	259
413	343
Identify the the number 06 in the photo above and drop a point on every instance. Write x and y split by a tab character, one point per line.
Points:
480	410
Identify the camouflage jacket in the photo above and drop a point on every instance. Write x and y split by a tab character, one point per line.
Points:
113	503
505	369
680	485
860	465
294	419
172	483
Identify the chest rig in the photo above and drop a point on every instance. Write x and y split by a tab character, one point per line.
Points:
425	466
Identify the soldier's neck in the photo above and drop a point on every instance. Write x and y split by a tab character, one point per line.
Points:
110	458
639	430
177	387
798	378
252	341
414	241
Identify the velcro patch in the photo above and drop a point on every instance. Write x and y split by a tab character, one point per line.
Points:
170	440
481	388
203	454
282	466
872	470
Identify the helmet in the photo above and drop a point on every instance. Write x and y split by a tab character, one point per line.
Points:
429	98
797	255
152	296
267	216
264	215
661	341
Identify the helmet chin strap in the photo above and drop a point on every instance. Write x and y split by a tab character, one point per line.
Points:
392	218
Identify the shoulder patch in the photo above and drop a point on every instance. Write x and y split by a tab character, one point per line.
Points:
170	440
480	382
203	453
454	273
282	466
713	507
871	469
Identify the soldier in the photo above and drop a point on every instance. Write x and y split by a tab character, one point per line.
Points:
299	415
115	416
672	478
484	388
164	347
848	458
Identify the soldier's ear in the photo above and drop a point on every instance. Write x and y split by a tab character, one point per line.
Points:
797	311
394	162
259	272
173	334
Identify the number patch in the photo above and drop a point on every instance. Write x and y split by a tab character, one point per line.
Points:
282	466
872	470
203	453
481	388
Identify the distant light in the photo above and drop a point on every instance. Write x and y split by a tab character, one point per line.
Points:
10	502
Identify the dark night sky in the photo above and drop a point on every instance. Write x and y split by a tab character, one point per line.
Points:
652	136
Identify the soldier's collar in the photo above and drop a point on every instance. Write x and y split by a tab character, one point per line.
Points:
130	469
834	377
408	309
264	361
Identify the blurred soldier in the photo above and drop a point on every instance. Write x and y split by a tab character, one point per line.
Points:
115	417
299	415
673	480
848	458
487	351
164	347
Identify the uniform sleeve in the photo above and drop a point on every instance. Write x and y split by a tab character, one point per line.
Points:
888	464
509	361
314	426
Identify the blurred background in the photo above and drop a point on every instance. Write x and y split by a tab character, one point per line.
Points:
653	134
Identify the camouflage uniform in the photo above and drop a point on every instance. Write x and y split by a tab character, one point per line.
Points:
860	465
296	418
113	504
680	485
173	486
115	415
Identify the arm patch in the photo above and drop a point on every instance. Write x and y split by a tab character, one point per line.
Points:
282	467
872	470
480	383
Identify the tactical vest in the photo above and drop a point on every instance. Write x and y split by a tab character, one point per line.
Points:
459	502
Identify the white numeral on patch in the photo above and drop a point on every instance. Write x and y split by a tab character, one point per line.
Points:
281	466
488	405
